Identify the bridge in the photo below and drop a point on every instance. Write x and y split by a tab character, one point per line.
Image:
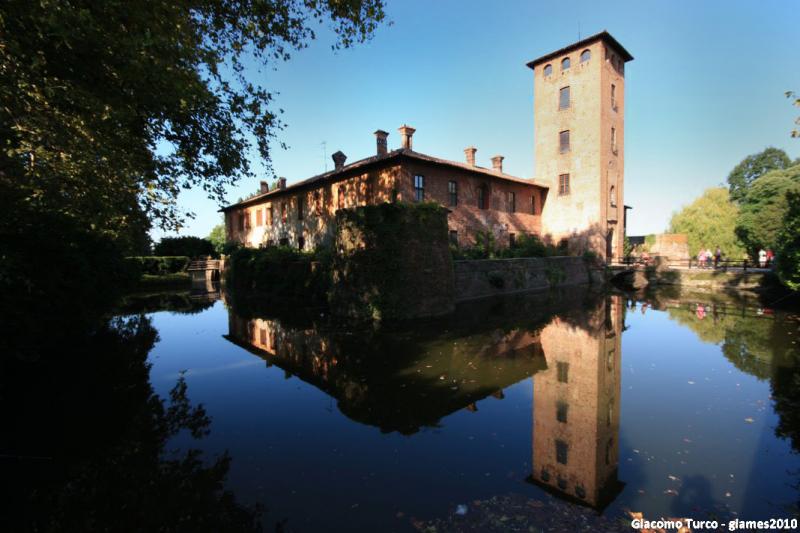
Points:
205	270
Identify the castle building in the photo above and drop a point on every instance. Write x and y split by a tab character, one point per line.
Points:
576	197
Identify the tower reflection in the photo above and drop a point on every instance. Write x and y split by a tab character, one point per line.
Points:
576	405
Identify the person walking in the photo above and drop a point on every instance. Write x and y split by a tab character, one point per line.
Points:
709	257
762	258
717	257
701	258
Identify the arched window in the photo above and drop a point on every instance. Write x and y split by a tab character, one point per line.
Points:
565	64
613	196
586	55
548	70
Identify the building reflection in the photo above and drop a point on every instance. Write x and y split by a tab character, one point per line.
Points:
576	406
405	380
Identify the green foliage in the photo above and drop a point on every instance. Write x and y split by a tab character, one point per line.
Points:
108	110
217	238
486	248
627	247
188	246
158	265
280	273
649	241
387	255
791	95
764	207
709	222
788	244
753	167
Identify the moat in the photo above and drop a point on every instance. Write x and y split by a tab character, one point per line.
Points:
574	403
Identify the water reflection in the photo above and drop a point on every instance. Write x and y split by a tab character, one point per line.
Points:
576	406
404	380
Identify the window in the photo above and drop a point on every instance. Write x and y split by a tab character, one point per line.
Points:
561	451
340	197
533	204
263	336
301	243
563	141
300	207
561	411
240	220
614	140
512	240
563	184
259	216
586	55
612	195
452	191
419	188
563	98
565	64
247	220
454	237
563	372
613	96
318	202
511	202
270	215
482	197
283	241
283	212
548	70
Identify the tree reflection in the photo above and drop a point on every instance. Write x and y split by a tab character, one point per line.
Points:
86	436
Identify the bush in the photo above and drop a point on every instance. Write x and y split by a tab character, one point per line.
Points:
486	248
188	246
279	272
158	266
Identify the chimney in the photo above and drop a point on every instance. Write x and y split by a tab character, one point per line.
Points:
497	163
470	153
281	183
406	132
264	187
380	139
338	160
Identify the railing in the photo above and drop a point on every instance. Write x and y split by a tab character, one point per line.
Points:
204	264
693	263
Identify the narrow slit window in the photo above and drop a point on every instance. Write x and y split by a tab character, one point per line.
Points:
563	184
419	188
563	141
452	191
512	202
563	98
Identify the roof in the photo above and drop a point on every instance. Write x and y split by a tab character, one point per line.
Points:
603	35
369	162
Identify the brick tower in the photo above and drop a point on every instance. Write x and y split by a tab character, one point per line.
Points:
579	120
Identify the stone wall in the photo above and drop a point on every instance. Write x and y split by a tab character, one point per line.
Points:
490	277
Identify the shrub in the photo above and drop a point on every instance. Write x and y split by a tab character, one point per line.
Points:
188	246
158	266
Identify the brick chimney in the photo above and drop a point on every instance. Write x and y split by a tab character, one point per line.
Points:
497	163
338	160
470	153
281	183
406	132
380	140
264	187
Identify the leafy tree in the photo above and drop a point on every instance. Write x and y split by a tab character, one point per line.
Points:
188	246
788	243
791	95
753	167
217	238
764	207
709	222
109	109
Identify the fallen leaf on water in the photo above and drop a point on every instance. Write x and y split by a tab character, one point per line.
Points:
673	478
749	420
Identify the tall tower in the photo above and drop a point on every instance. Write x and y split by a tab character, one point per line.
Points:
579	124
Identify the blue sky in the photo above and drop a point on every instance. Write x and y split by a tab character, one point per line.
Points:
706	88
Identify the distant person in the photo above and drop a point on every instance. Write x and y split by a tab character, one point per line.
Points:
762	258
701	258
717	257
709	257
770	257
701	312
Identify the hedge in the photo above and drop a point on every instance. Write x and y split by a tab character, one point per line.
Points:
159	265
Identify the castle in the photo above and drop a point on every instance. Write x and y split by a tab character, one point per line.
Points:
576	198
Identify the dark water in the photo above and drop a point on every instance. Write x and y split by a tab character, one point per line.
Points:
669	405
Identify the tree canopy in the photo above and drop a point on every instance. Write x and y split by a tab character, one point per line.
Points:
110	109
764	207
753	167
709	222
788	243
217	237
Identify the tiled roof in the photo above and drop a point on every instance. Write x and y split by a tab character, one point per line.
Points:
604	35
370	161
